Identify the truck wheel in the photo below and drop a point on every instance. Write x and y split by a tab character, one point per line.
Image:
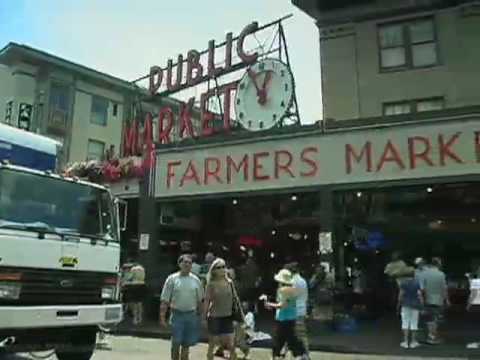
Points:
81	346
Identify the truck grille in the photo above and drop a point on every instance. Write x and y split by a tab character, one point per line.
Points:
57	287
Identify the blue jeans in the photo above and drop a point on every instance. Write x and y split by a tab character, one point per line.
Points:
185	327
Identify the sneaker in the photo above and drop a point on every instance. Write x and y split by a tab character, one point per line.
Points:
404	345
414	344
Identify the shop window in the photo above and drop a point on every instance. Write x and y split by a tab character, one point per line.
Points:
99	113
417	105
408	45
96	150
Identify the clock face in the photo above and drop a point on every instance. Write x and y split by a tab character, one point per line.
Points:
264	95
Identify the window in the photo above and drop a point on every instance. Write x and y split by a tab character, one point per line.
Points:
407	45
99	113
26	201
397	108
409	106
59	97
96	150
430	104
115	110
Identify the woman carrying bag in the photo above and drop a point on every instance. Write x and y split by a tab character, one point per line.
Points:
222	309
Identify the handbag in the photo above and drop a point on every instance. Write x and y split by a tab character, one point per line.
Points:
237	311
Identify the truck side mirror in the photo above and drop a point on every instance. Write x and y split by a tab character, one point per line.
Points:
122	211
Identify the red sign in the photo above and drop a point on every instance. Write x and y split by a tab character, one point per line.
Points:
135	141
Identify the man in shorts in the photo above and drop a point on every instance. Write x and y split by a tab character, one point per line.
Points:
434	286
183	294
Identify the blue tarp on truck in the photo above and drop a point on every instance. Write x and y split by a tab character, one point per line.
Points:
27	149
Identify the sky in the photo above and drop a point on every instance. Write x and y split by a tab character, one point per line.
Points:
125	37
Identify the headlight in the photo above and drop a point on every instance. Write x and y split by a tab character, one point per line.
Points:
9	290
108	292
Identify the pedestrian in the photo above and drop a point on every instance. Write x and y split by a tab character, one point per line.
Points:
219	307
196	267
248	277
301	286
395	266
473	304
410	302
244	332
183	294
321	295
434	285
205	267
285	316
359	282
392	270
135	291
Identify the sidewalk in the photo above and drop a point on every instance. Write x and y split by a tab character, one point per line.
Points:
132	348
373	338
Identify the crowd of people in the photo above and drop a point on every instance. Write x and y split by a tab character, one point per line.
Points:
225	302
422	298
212	299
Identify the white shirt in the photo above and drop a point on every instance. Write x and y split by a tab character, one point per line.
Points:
475	287
182	293
302	289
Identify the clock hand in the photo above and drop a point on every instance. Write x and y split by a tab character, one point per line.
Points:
267	79
253	76
262	96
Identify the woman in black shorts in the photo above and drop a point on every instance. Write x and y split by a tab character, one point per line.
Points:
219	302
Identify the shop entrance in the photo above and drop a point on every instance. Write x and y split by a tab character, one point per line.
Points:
271	229
417	221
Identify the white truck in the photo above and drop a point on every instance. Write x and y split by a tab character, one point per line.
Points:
59	257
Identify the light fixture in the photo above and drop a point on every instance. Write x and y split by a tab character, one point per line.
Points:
235	202
345	244
294	198
272	255
305	236
429	189
359	194
473	220
274	232
439	222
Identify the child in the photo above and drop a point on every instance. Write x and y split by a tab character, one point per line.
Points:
410	301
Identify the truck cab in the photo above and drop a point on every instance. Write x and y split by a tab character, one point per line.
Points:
59	262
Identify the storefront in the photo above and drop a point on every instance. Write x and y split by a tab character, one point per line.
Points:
343	196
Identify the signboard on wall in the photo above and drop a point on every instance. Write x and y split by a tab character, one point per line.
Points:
312	159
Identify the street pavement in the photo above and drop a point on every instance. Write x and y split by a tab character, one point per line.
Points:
134	348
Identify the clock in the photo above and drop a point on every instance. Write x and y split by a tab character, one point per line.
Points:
264	95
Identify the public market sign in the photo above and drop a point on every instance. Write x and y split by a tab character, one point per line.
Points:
261	97
313	159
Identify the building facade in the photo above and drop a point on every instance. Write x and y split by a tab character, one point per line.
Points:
396	57
86	110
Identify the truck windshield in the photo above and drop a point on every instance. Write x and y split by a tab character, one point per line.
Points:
36	202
